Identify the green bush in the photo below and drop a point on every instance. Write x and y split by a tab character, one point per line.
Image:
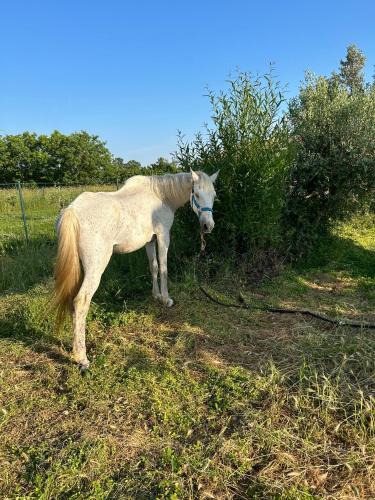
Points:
334	171
249	143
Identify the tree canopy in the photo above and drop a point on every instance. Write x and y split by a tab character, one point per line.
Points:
78	158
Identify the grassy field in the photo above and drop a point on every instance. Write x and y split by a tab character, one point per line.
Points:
42	205
197	401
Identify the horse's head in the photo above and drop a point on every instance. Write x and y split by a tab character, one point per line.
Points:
202	198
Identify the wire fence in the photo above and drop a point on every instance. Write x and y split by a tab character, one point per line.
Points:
28	211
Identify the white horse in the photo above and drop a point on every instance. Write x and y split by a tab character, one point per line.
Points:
95	225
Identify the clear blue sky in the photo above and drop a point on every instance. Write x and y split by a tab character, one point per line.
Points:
134	72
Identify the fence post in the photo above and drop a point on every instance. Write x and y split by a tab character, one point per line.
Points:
117	184
23	210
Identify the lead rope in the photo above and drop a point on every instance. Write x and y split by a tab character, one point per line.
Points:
202	252
278	310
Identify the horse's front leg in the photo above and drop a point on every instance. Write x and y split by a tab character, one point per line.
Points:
154	268
163	244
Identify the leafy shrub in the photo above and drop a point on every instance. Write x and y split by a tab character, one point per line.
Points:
334	172
249	143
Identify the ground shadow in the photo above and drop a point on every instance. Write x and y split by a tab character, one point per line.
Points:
16	328
25	265
258	341
341	254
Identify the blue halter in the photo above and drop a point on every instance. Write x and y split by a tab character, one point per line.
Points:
194	201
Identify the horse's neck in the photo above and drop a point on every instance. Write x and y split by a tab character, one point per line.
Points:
174	190
186	186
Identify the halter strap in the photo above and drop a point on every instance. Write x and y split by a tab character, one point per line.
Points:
194	201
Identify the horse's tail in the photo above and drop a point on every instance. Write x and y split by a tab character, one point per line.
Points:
68	268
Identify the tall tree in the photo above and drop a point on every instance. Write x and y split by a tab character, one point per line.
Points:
162	166
76	158
333	123
351	69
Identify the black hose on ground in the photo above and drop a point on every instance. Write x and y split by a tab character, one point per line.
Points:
282	310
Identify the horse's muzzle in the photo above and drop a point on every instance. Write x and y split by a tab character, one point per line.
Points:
207	226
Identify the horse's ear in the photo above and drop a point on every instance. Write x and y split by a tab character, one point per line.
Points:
194	175
213	177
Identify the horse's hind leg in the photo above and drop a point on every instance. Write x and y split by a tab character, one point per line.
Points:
81	308
93	270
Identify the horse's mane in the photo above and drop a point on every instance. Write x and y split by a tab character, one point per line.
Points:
168	187
171	187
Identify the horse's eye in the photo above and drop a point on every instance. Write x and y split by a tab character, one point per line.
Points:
196	195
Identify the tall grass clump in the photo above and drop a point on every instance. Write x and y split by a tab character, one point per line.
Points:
249	143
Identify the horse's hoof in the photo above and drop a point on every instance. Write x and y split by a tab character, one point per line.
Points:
83	368
169	303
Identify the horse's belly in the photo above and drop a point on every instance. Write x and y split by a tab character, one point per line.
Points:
131	243
128	248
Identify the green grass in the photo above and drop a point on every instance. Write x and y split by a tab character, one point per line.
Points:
197	401
42	206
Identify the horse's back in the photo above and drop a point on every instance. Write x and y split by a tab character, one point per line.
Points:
135	182
126	219
99	215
